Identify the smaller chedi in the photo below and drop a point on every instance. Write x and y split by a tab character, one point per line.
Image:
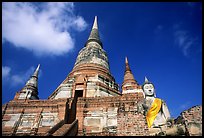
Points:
30	90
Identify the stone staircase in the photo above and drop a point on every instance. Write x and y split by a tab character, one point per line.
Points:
65	130
62	130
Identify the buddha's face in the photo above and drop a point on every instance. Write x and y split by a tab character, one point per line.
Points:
148	89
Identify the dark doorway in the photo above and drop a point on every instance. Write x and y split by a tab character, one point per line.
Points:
72	111
79	93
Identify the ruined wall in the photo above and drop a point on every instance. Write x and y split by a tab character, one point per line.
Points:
131	121
96	116
111	116
31	117
193	120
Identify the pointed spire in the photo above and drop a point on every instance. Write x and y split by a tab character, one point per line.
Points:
95	25
128	73
128	76
126	60
32	85
127	67
94	35
33	80
36	71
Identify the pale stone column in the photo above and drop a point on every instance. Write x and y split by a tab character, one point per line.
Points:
36	123
17	123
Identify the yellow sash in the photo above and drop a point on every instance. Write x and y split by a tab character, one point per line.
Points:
153	111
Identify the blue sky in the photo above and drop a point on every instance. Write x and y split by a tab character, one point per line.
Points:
162	41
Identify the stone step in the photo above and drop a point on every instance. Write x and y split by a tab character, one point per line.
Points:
62	130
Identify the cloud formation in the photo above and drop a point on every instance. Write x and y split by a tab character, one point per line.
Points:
5	72
43	28
17	79
184	41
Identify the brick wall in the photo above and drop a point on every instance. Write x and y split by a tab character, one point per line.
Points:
131	121
31	117
111	116
193	120
97	116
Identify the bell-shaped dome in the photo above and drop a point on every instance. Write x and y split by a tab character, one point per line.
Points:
93	51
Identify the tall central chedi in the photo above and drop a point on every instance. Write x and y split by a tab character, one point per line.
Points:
91	75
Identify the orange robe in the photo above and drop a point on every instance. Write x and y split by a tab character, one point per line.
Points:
153	111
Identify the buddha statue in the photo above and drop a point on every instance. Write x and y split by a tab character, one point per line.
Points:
156	110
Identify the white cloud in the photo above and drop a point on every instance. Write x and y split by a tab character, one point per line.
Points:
5	72
43	28
79	23
184	40
22	77
17	79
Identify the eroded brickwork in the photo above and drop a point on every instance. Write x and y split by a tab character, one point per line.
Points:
31	117
95	116
111	116
193	120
